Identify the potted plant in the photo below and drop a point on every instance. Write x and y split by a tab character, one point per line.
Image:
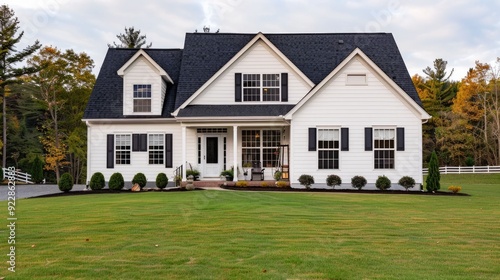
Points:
193	172
229	174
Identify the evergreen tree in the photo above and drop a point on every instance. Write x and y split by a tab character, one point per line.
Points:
37	170
433	176
9	58
131	39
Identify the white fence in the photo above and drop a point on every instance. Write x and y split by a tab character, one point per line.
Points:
18	175
466	169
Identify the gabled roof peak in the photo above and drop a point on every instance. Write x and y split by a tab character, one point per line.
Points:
142	53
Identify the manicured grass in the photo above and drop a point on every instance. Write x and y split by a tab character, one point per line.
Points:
262	235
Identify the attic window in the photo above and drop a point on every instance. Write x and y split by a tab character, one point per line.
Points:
356	80
142	98
265	87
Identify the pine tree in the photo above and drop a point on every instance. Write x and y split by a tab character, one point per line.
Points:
37	170
131	39
433	176
9	57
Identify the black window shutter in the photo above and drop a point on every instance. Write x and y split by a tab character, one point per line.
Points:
143	143
237	87
400	137
284	87
135	142
312	139
168	151
344	139
110	151
139	142
368	139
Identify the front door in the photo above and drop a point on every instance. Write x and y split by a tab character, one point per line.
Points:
212	157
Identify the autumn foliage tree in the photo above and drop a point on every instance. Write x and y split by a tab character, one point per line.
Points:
64	85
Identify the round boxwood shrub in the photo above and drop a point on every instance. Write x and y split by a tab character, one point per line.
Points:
358	182
333	180
407	182
306	180
97	181
140	179
161	180
383	183
65	182
116	182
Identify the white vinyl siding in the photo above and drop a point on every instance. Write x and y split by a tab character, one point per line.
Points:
356	80
139	161
259	59
339	105
141	72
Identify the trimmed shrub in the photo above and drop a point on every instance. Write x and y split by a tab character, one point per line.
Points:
161	180
407	182
140	179
358	182
241	184
306	180
97	181
264	184
333	180
455	189
383	183
432	182
65	182
37	170
116	182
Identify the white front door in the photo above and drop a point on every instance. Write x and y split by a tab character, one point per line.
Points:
212	156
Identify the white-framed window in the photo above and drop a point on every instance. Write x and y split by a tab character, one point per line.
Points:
123	144
261	145
261	87
142	98
156	148
328	148
356	80
384	148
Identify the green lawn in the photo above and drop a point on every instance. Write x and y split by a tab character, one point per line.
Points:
261	235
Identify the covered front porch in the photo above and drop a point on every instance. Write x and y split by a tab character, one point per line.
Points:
252	151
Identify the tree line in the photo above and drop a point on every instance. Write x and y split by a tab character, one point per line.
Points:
465	125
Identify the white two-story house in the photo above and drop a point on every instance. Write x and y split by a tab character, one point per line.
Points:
316	104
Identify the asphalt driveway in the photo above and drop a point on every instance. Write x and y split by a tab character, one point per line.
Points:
25	191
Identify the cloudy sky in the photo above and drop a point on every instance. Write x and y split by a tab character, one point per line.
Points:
459	31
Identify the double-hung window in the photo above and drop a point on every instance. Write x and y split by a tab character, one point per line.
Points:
384	148
142	98
156	147
261	87
328	148
123	144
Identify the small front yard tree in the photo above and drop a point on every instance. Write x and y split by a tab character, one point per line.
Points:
306	180
333	180
433	176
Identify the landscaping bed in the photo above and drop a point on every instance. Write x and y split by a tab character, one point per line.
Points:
289	189
108	191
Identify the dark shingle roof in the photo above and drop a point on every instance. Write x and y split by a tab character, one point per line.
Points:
235	110
316	55
106	100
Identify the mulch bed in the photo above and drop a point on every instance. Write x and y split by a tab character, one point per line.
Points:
108	191
288	189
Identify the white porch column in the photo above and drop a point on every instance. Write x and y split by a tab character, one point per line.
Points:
235	152
184	157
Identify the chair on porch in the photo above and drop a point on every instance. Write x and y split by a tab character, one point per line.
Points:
257	171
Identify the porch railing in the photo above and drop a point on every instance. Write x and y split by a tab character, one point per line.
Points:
178	175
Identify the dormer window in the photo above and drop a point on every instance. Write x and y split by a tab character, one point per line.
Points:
142	98
257	87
